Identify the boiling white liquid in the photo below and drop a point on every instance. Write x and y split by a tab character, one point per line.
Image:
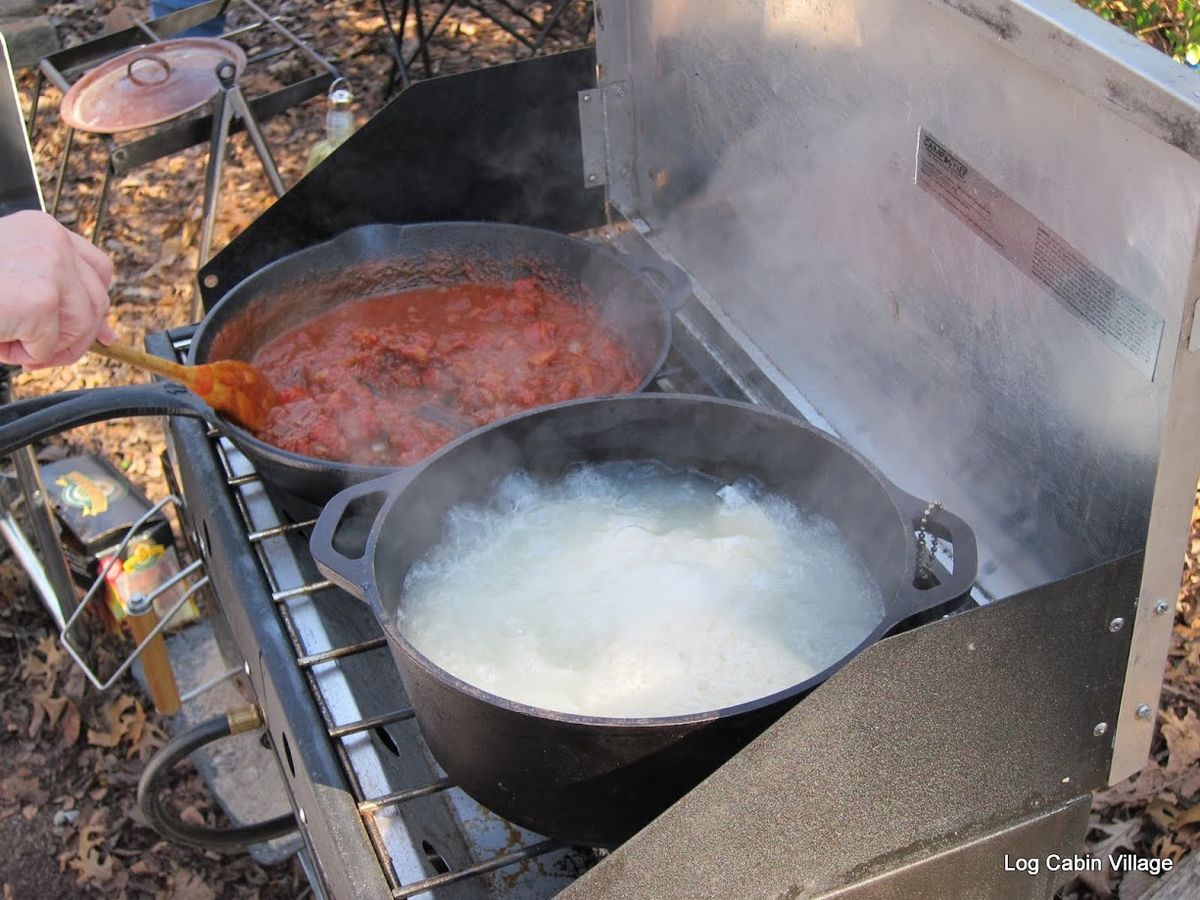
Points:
629	591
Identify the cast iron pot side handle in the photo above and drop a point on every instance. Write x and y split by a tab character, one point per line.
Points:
947	527
671	282
35	418
351	574
678	286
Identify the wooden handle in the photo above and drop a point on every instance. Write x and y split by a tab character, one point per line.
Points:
155	663
143	360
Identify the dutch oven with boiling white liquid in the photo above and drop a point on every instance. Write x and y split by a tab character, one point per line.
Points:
597	780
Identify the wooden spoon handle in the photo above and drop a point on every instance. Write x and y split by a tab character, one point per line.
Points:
140	358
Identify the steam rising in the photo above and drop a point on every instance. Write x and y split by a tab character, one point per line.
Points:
625	590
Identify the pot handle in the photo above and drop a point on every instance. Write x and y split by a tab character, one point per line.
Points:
672	284
35	418
347	572
945	526
678	287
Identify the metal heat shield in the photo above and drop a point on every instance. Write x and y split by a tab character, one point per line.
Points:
964	234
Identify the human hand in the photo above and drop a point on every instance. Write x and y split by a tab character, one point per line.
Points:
53	292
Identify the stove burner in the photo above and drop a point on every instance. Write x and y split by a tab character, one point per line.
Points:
376	813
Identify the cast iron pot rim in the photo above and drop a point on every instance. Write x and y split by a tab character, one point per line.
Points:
362	472
618	723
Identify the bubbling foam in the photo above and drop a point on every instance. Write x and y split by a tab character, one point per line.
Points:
627	590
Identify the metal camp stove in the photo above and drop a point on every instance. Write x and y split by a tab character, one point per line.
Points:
378	815
911	223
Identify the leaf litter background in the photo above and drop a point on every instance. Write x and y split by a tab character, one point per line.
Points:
70	757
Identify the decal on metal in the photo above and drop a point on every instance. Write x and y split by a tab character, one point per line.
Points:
1122	321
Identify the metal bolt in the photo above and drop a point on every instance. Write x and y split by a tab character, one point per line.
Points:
1144	711
591	178
1161	607
303	817
246	667
1100	729
211	281
1116	624
36	497
138	605
587	98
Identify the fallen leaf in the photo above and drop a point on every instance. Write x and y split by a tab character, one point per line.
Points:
23	785
71	724
188	885
192	816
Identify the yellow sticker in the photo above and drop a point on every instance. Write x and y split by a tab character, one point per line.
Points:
84	493
144	556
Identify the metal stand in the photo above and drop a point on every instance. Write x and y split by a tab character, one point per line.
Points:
231	100
494	10
62	67
49	573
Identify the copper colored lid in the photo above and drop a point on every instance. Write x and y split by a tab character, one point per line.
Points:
149	85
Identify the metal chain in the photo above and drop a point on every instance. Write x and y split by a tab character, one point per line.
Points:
927	544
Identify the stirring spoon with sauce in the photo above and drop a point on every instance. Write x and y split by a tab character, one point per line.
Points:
231	387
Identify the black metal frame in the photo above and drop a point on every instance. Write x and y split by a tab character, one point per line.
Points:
401	64
499	144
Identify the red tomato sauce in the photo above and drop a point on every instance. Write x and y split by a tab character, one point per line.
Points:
388	380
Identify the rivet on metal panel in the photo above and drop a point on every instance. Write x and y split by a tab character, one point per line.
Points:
1144	711
210	281
592	178
1100	729
36	497
1161	608
587	98
246	667
303	817
1116	624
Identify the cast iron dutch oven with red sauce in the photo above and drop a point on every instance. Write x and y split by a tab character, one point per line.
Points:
635	302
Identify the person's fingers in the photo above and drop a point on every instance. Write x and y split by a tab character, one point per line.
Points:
97	295
14	354
95	258
106	335
41	339
82	308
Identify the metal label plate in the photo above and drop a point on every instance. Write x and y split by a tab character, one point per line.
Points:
1123	322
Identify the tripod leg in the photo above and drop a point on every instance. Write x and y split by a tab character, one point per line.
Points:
238	100
102	206
33	106
212	177
422	38
62	171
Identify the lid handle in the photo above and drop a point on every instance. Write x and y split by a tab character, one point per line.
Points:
148	57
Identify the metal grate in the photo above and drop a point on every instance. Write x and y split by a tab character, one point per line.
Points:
292	588
390	813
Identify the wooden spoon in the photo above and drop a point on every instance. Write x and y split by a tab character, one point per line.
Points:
231	387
